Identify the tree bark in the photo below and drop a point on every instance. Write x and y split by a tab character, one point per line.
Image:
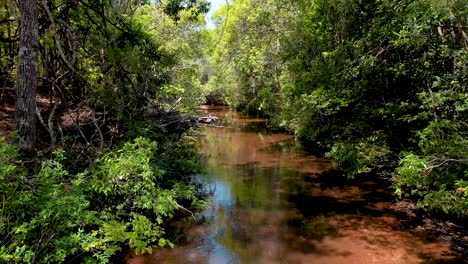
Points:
26	81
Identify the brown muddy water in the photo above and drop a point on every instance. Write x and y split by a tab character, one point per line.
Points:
273	203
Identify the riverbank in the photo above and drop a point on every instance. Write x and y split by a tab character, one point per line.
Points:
89	198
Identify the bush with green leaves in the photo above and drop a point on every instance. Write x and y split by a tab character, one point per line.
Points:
44	214
122	202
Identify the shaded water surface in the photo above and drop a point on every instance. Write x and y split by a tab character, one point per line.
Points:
272	203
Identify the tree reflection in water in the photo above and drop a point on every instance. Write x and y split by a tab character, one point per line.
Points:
273	203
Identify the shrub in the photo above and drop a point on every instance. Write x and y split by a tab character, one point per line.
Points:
51	216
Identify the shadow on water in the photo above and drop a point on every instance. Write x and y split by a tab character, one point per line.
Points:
273	203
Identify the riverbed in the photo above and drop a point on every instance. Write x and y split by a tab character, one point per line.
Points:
275	203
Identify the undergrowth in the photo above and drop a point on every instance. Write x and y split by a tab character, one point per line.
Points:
50	215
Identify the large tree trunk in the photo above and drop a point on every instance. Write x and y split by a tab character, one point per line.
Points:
26	80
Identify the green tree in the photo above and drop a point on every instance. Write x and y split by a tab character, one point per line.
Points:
380	84
249	45
195	7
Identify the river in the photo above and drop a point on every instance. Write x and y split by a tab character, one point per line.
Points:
273	203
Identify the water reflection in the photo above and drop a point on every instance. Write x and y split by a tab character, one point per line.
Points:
275	204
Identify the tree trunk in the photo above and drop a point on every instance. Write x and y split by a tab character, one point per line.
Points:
26	81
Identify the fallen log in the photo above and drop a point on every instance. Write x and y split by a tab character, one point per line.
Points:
209	119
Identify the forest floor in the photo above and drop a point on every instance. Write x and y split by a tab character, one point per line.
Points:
7	113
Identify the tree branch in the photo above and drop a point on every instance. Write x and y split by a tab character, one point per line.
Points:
185	209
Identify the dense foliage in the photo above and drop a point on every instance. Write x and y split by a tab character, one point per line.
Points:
381	84
54	216
116	58
113	160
